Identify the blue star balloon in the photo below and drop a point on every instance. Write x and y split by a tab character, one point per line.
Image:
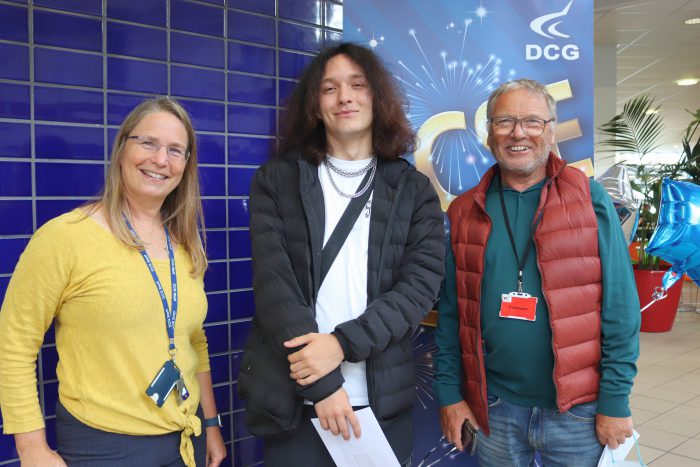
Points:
677	235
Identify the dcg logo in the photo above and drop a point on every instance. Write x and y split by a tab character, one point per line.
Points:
551	52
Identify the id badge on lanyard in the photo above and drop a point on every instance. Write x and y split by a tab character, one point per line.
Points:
169	377
518	305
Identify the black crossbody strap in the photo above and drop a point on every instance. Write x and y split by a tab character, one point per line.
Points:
342	229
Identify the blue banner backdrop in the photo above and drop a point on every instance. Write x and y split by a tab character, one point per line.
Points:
449	55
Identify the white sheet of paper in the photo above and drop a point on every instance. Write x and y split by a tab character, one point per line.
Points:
606	460
370	450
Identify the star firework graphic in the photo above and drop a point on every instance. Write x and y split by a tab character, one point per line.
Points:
423	349
439	83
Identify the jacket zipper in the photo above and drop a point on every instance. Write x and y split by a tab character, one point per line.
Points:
375	288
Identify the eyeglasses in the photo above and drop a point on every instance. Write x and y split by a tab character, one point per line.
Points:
530	126
153	145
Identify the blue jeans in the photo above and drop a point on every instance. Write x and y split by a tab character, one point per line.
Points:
562	439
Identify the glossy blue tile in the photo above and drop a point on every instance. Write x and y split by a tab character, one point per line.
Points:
15	139
194	17
241	274
239	180
334	15
14	101
50	336
248	451
68	179
7	449
21	214
60	67
217	309
333	37
4	281
10	250
214	2
138	11
65	142
197	82
298	37
219	369
308	11
51	433
244	57
134	75
251	28
211	149
137	41
254	120
50	208
91	7
68	105
50	398
15	179
251	89
217	338
74	32
236	358
259	6
215	277
221	396
214	213
239	244
14	25
119	106
239	334
239	427
292	64
286	89
196	50
242	150
238	212
15	62
206	116
216	246
242	304
49	360
213	181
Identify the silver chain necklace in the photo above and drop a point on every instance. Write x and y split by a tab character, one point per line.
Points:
371	166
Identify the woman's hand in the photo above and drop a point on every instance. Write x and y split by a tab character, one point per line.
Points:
216	450
321	355
35	452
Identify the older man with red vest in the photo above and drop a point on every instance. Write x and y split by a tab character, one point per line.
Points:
538	328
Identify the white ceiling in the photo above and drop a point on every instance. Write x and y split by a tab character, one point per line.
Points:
654	48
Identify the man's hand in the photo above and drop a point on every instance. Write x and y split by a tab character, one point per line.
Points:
216	450
334	412
451	419
321	355
613	430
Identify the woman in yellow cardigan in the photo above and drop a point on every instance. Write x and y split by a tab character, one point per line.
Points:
123	280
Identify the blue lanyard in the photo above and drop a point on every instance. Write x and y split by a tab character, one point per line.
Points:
170	315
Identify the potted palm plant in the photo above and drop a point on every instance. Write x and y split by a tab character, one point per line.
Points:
635	133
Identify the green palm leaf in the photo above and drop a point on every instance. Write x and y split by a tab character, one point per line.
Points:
635	130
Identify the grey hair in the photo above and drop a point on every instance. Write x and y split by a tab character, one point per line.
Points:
531	85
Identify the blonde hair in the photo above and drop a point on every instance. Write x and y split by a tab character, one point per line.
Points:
182	209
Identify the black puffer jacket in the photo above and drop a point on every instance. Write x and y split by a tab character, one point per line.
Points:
405	268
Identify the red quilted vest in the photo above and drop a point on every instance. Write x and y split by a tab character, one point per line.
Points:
566	244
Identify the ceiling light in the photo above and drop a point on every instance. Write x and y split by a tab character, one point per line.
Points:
692	21
687	81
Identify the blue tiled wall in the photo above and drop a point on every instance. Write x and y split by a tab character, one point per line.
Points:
70	71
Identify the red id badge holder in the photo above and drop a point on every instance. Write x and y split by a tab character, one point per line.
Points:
517	305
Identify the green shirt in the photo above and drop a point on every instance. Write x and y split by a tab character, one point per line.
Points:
518	354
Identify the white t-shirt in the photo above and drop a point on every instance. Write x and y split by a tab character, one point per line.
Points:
343	294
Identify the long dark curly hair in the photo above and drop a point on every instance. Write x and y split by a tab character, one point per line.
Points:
302	130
